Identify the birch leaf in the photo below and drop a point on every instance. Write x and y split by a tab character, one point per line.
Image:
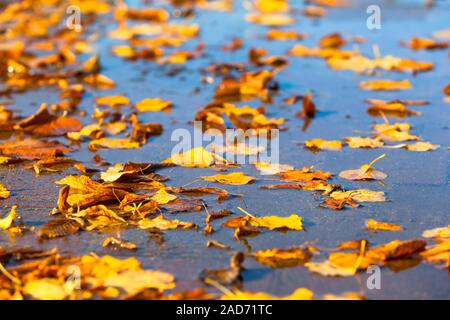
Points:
152	105
162	196
320	144
235	178
163	224
365	172
197	157
359	195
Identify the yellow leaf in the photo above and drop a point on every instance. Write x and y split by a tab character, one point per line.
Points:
387	85
372	224
306	174
360	142
112	101
7	222
99	211
422	146
123	51
45	289
439	254
196	157
134	281
344	296
162	196
270	19
271	5
394	108
283	35
360	195
235	178
293	222
113	144
299	294
163	224
394	132
4	193
100	81
324	144
437	233
115	128
156	104
87	131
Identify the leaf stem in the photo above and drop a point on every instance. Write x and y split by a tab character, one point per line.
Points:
247	213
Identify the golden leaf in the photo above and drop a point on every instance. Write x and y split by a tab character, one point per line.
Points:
393	108
344	296
7	222
421	147
360	142
360	195
305	175
394	132
320	144
271	5
162	196
438	254
197	157
284	35
112	101
113	144
115	128
372	224
4	193
293	222
437	233
99	81
235	178
299	294
97	211
270	19
386	85
45	289
133	281
156	104
163	224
